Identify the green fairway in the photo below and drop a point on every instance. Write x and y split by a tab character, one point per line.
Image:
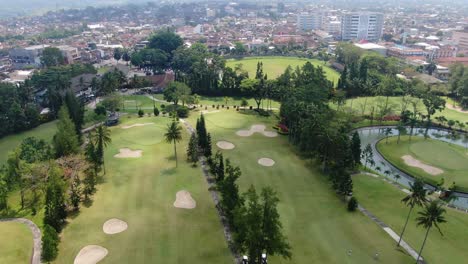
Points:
315	220
45	131
141	191
363	105
209	101
450	158
16	243
275	66
384	201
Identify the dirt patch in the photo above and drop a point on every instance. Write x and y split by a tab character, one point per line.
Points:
136	125
267	162
128	153
456	108
258	128
114	226
410	161
225	145
91	254
184	200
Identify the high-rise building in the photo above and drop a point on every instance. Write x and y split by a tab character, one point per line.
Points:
309	21
362	26
461	39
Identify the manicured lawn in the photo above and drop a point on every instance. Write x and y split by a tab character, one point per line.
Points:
141	191
319	228
452	159
275	66
45	131
16	243
383	200
364	105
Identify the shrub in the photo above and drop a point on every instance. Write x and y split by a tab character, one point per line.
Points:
156	111
227	107
50	241
217	107
212	106
182	112
100	110
141	113
352	204
163	106
206	107
250	107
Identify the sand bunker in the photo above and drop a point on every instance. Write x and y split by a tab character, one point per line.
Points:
128	153
137	125
267	162
114	226
210	112
184	200
90	255
410	161
225	145
456	108
256	129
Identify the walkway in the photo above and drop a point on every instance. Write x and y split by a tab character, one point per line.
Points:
216	199
37	243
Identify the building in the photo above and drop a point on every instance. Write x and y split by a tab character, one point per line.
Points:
332	27
362	26
70	54
461	39
403	52
309	21
29	57
372	47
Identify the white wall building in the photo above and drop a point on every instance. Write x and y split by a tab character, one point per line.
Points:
362	26
309	21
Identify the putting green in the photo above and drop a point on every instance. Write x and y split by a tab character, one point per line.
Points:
16	243
450	158
275	66
315	220
384	201
141	192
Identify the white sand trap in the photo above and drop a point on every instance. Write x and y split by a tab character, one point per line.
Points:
225	145
259	128
128	153
210	112
114	226
456	108
91	254
410	161
137	125
270	134
267	162
184	200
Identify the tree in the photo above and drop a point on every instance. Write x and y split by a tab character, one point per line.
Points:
177	91
112	102
166	41
76	111
3	191
230	197
89	183
388	131
118	52
368	156
401	130
244	103
352	204
192	149
433	215
50	241
65	140
207	151
356	148
220	168
55	211
417	197
101	140
75	193
141	113
433	103
52	56
173	135
156	111
259	229
254	88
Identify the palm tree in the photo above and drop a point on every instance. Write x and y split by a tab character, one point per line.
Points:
432	215
173	134
416	197
102	139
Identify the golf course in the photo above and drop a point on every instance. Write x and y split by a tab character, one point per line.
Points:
275	66
430	159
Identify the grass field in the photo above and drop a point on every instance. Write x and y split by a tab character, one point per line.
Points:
452	159
364	105
16	243
383	200
319	228
275	66
45	131
141	192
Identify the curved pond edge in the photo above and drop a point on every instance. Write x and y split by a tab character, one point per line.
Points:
460	200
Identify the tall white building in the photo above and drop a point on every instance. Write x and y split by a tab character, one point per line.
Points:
362	26
309	21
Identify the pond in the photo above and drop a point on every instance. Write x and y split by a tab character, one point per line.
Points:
371	135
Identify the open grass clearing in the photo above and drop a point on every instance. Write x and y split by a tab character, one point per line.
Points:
16	243
315	220
384	201
275	66
450	158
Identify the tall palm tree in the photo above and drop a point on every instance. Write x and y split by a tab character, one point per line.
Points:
416	197
102	139
173	135
433	215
